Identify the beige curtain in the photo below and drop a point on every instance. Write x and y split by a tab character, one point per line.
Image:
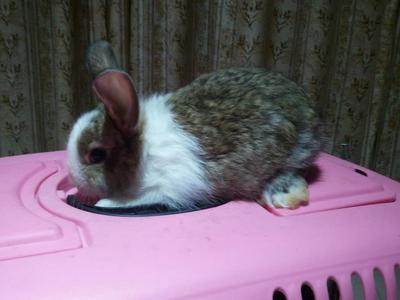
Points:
345	53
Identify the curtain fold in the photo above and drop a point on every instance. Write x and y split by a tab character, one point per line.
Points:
346	54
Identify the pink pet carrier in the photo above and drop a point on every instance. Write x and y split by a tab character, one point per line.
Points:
347	241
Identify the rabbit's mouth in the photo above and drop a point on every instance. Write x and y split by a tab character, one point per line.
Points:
90	188
91	192
83	199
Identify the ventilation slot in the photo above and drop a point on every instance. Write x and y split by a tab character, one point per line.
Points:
357	286
278	295
397	273
333	289
380	288
361	172
307	292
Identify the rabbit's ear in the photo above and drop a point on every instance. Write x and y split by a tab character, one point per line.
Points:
116	90
100	56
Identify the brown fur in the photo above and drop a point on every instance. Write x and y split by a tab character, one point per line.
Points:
123	155
250	123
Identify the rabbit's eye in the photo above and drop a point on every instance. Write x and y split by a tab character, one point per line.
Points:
97	155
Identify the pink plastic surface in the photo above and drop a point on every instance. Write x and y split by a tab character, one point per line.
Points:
50	250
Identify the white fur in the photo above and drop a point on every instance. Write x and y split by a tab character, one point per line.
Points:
171	171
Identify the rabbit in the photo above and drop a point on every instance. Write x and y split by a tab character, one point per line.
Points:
236	133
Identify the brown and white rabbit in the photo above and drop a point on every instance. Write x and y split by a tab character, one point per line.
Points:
239	133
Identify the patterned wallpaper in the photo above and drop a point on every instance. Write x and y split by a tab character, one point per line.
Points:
345	53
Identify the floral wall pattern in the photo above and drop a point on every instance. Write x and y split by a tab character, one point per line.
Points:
346	53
